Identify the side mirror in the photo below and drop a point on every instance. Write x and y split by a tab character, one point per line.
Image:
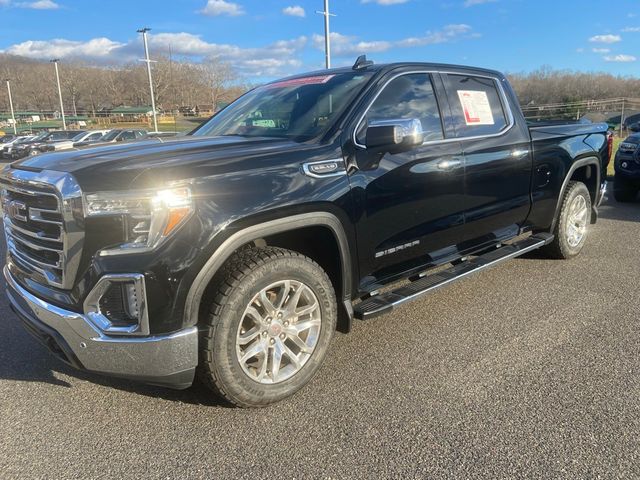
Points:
394	136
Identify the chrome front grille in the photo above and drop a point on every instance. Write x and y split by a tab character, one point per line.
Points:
42	217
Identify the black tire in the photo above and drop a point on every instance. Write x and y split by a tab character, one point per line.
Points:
243	277
624	190
560	248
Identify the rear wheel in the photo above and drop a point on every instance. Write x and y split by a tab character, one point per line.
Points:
624	190
571	229
269	326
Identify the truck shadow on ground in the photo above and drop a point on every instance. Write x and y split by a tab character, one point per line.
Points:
22	358
625	212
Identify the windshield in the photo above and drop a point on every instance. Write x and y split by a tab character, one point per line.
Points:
79	136
299	109
111	135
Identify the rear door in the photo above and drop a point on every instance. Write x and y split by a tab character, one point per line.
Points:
497	158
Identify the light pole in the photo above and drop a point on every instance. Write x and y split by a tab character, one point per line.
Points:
144	31
55	64
13	117
327	35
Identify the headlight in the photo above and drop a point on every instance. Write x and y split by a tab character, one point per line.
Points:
149	217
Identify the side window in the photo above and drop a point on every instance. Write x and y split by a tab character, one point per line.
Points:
94	136
476	106
128	135
405	97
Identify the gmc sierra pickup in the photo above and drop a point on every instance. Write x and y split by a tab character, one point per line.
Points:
234	253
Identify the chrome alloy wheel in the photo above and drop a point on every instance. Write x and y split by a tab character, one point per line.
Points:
278	332
577	221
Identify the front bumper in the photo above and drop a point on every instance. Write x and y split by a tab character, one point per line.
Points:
167	360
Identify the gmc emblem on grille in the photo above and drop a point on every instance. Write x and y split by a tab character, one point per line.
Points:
17	210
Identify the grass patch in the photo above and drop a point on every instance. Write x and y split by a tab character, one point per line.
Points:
616	144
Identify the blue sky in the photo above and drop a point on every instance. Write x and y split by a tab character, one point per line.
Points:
269	38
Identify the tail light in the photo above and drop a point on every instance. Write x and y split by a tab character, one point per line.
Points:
610	145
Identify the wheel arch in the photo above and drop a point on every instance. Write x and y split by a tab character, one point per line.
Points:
272	229
586	170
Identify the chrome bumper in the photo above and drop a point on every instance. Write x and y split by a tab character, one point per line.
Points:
167	360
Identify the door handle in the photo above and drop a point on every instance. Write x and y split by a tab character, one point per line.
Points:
449	164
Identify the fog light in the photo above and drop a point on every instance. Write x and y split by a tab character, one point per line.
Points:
624	164
117	305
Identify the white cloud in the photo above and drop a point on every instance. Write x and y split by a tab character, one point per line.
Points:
385	2
631	29
601	50
39	5
347	45
294	11
471	3
214	8
276	59
606	38
620	58
96	49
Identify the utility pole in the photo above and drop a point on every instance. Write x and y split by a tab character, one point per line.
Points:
327	35
13	117
55	64
622	118
144	31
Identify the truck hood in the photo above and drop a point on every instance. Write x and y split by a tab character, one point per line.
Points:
117	166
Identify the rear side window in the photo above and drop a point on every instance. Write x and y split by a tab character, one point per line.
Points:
406	97
476	106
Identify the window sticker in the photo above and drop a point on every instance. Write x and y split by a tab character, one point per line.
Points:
301	81
476	108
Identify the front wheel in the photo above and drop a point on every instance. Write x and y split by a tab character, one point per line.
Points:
570	232
269	326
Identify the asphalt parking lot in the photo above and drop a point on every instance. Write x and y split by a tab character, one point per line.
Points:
527	370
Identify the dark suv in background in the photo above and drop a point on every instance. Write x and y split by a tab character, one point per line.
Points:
627	168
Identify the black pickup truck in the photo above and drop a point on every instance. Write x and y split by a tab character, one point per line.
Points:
234	253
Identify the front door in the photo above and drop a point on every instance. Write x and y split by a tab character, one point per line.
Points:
410	206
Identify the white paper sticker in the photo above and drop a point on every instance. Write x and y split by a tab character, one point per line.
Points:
476	108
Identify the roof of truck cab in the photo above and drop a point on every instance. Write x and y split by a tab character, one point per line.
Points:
385	67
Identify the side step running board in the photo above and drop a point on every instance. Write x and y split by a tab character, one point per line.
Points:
385	302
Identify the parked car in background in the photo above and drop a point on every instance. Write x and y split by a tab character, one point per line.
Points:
7	138
22	148
627	169
90	136
47	143
634	127
114	136
7	148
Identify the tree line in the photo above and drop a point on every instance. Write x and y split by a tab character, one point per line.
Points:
546	86
90	89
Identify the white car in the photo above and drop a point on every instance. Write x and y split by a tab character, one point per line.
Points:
89	136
